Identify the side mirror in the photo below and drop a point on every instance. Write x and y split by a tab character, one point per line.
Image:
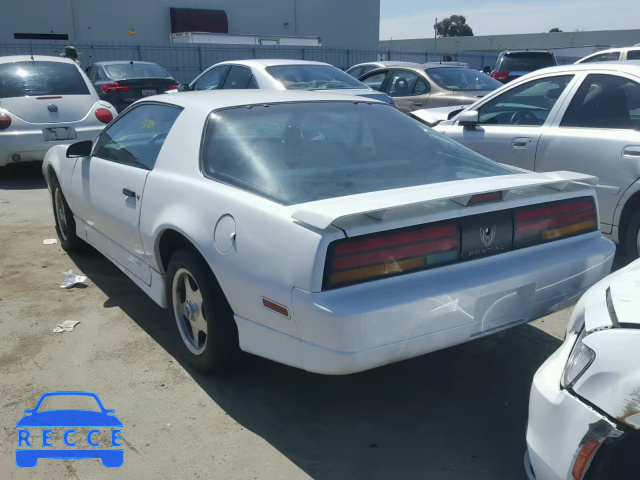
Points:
468	118
183	87
486	70
80	149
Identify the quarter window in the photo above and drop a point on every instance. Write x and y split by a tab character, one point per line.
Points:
238	78
421	87
633	55
605	101
136	137
211	80
527	104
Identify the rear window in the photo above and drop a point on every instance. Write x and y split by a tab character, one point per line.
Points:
34	79
463	79
313	77
525	61
122	71
300	152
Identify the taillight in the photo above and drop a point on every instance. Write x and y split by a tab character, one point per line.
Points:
552	221
5	121
173	86
104	115
114	87
500	75
359	259
485	198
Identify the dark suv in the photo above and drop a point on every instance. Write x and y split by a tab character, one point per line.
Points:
515	63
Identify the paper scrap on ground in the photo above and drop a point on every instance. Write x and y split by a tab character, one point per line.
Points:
72	279
66	326
49	241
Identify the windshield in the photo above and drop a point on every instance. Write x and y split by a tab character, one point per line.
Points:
301	152
463	79
35	79
313	77
121	71
525	61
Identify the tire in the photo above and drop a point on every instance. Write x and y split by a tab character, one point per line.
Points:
65	223
631	240
207	332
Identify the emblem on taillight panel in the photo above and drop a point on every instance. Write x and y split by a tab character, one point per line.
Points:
52	107
487	234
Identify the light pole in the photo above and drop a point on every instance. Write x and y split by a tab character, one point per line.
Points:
435	37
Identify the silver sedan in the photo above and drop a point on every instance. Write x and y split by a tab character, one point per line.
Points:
583	118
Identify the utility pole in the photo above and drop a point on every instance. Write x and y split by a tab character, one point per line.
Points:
435	37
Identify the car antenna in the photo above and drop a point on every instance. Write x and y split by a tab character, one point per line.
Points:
31	48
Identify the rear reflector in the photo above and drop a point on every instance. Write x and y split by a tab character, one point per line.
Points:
47	98
500	75
359	259
5	121
586	452
275	307
104	115
173	86
552	221
485	198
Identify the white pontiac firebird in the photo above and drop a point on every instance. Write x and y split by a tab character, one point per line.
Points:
327	232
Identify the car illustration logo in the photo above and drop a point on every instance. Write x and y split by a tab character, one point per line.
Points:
487	235
52	107
33	444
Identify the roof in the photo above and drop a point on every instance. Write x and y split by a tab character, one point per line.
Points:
120	62
206	101
36	58
629	66
524	51
616	49
266	62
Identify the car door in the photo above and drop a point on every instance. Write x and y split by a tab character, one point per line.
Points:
511	123
108	186
212	79
408	89
598	133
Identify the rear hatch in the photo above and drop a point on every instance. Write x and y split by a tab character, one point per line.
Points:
513	65
516	211
44	92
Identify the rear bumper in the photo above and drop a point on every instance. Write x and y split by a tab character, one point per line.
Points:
29	143
356	328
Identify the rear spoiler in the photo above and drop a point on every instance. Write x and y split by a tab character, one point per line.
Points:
322	213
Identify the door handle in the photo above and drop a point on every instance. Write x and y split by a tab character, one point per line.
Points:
129	193
418	104
521	142
631	151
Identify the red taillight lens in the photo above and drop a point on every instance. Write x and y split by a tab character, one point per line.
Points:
5	121
114	87
104	115
359	259
551	221
173	86
500	75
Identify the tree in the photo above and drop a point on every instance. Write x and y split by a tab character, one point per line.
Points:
555	30
454	26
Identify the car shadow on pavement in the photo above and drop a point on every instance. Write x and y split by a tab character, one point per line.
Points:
22	177
460	413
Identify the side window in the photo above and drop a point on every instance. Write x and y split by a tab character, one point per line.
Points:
402	83
633	55
527	104
356	72
91	73
376	80
421	87
136	137
252	83
238	78
211	80
604	57
368	69
604	101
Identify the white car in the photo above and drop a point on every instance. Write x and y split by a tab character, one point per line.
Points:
584	410
581	118
46	101
321	230
280	75
613	54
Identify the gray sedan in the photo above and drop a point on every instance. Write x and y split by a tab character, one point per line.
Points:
430	85
582	118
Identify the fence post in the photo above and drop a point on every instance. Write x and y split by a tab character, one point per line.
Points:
348	58
139	53
199	59
253	51
304	55
389	54
482	61
426	57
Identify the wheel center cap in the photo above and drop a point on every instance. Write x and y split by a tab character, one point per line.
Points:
190	310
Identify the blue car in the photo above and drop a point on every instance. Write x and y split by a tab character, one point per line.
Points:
72	418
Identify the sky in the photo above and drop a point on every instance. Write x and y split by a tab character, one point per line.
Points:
415	18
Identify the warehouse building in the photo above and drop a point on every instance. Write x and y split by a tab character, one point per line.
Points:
355	23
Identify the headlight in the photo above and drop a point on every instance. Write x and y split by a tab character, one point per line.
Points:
581	356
